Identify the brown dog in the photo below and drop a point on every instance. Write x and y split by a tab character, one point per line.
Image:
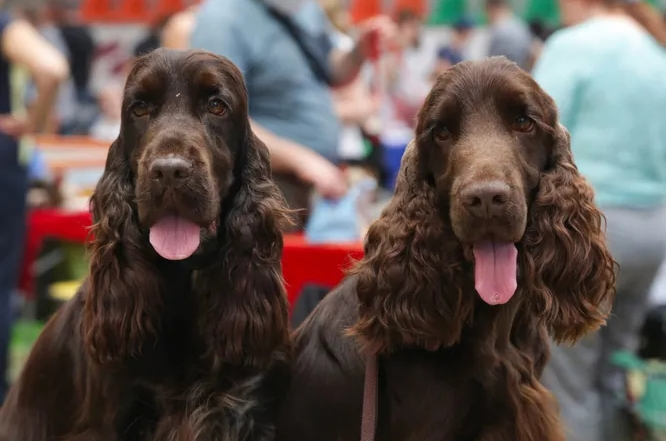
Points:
491	242
180	331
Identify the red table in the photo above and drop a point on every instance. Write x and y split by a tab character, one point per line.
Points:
302	262
72	227
325	265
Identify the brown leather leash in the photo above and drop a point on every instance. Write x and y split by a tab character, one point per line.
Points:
369	415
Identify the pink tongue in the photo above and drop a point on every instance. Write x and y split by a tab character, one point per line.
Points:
495	271
174	238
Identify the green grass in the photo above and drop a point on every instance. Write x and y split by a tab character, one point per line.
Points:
24	335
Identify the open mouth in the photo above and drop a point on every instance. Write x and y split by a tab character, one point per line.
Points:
176	238
495	271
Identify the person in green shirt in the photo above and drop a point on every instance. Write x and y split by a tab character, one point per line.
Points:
607	74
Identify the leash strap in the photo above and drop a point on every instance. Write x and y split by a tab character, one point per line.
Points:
369	415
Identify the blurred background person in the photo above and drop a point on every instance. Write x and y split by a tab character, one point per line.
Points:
355	105
172	31
107	125
286	53
24	51
508	34
109	98
153	39
540	33
606	73
178	29
461	34
456	50
57	22
80	43
541	30
409	70
446	57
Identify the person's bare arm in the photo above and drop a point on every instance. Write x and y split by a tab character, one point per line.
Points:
22	45
302	162
345	65
282	150
354	104
178	30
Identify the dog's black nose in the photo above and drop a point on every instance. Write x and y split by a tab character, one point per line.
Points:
171	171
486	200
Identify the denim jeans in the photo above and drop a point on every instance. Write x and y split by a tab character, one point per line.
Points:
13	187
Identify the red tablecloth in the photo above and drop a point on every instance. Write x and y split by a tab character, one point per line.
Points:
50	223
302	262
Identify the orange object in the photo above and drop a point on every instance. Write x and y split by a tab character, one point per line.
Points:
363	9
167	7
416	6
131	11
134	10
92	10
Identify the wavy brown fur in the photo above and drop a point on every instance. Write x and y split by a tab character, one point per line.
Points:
569	274
412	255
408	263
116	321
153	349
451	366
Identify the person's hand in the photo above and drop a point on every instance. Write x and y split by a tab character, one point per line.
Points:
327	179
13	126
367	107
375	33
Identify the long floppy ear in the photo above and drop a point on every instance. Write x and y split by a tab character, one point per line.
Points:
410	284
245	311
121	304
566	258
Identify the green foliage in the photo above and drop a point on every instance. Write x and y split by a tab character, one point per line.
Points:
447	12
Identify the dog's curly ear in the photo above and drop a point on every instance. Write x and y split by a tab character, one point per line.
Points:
246	312
410	287
121	305
567	261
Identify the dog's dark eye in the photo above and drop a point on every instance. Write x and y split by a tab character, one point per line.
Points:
217	107
141	109
523	123
442	133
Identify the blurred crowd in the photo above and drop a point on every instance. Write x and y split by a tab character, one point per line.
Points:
336	101
339	112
